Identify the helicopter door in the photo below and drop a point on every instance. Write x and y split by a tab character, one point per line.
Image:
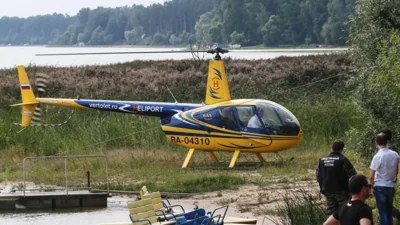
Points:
250	120
227	117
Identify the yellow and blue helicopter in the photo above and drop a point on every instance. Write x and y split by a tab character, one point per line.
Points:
219	124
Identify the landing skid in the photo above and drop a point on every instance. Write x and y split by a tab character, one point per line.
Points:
232	163
282	159
223	166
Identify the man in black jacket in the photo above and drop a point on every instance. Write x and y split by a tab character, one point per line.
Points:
333	175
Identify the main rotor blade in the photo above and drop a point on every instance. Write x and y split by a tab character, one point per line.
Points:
114	53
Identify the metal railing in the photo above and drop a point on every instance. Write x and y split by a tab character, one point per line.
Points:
65	167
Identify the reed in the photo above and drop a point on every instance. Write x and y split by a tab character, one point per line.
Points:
299	208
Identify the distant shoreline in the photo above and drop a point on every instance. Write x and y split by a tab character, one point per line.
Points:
244	49
28	55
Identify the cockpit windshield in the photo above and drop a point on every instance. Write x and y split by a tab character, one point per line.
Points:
277	119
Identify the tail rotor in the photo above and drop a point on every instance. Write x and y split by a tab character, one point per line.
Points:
31	110
42	81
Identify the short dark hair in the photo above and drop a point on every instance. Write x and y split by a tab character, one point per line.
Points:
387	133
337	146
356	183
381	139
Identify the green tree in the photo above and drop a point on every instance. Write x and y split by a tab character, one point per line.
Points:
64	39
375	44
294	32
300	21
173	40
308	22
83	15
97	36
81	38
203	27
272	31
157	39
333	30
237	38
232	18
216	33
112	30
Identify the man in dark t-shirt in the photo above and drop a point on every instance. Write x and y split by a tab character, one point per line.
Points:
354	211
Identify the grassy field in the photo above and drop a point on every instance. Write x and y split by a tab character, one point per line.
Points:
130	169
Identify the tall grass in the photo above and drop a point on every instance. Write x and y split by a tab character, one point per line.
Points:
299	208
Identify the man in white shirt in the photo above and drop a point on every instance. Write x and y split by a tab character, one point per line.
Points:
254	121
383	176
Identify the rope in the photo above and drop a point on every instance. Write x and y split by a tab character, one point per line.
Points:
308	84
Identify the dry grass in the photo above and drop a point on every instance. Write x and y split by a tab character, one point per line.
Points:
147	80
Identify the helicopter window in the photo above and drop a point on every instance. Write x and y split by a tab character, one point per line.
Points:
210	116
278	120
227	118
245	114
269	116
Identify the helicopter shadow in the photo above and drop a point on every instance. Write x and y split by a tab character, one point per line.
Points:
240	166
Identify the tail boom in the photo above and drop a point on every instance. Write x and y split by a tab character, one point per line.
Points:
157	109
29	103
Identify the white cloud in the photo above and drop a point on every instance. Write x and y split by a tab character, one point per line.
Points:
26	8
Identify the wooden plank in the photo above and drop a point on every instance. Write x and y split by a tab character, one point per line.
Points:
238	220
163	194
152	195
130	223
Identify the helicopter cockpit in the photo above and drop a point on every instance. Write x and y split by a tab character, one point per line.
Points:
264	117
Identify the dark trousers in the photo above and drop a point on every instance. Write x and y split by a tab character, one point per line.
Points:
384	203
335	200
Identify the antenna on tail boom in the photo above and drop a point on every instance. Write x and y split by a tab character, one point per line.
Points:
176	101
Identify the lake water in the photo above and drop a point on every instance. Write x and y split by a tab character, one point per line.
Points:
115	212
11	56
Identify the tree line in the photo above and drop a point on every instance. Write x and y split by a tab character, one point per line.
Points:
182	22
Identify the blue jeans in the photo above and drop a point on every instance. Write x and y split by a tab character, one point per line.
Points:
384	202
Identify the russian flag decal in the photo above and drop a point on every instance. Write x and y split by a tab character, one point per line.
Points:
25	86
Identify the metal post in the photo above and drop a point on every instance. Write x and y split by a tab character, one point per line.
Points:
66	175
88	179
23	169
108	185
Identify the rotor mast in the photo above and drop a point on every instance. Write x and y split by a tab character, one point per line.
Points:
217	51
